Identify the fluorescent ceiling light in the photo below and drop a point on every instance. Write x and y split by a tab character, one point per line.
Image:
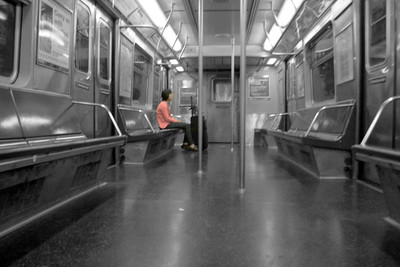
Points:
286	13
174	62
267	45
298	3
157	16
180	68
273	37
285	16
299	46
170	36
275	34
271	61
154	11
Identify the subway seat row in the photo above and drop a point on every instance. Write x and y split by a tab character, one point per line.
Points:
45	158
379	152
146	141
317	139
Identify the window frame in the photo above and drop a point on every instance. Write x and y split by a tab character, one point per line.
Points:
299	66
368	36
326	30
102	80
90	50
214	81
144	72
17	40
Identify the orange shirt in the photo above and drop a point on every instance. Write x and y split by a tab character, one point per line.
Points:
164	115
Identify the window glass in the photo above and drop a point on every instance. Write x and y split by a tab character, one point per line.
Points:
377	36
291	80
142	63
157	87
321	51
331	120
323	81
222	90
7	38
105	43
322	48
299	76
82	38
126	71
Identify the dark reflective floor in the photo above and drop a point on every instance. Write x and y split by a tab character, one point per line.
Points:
164	214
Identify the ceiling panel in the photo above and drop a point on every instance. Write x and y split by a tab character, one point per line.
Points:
221	24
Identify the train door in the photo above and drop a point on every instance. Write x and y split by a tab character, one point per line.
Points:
83	74
218	112
92	76
103	78
379	68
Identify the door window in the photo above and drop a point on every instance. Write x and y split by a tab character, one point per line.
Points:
104	51
377	40
321	51
221	90
8	37
82	45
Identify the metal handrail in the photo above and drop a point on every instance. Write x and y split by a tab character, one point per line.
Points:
324	108
276	115
184	48
140	111
376	118
106	109
156	30
163	29
177	35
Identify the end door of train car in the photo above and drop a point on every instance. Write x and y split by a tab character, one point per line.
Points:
220	99
92	75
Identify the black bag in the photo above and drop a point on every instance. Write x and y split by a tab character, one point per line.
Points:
194	125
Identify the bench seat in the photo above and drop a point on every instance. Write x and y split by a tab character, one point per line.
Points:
378	156
45	158
319	140
146	141
274	122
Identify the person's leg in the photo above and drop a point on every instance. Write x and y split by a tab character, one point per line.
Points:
188	133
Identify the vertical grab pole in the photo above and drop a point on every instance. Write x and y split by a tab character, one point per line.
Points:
233	91
200	101
243	7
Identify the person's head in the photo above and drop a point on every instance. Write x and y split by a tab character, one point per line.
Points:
166	95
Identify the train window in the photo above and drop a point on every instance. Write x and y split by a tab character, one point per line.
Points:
82	45
377	32
142	63
221	90
321	51
104	51
291	80
126	71
299	76
157	87
9	37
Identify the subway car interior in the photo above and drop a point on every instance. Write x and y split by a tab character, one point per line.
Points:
289	108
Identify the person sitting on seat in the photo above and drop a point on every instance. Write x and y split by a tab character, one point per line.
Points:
165	121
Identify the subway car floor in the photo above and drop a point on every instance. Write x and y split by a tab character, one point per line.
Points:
165	214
